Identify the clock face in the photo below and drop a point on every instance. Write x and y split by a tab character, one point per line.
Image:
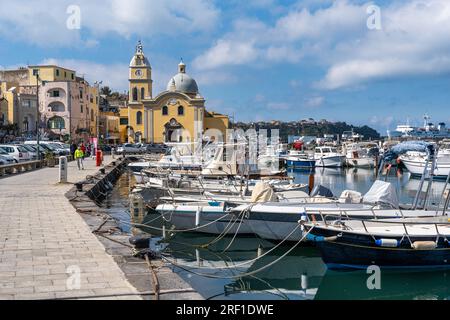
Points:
138	73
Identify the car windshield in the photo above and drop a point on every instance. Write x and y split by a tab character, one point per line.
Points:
3	152
22	149
42	146
28	147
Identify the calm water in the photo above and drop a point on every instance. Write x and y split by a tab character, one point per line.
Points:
219	274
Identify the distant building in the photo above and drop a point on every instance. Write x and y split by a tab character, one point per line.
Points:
68	105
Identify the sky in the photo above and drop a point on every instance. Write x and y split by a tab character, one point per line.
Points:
377	63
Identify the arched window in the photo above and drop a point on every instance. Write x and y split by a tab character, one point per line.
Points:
139	118
135	94
142	93
56	123
180	110
165	111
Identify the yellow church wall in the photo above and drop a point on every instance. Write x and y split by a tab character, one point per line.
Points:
132	121
186	120
216	121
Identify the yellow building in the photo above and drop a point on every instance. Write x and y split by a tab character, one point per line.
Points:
177	114
50	73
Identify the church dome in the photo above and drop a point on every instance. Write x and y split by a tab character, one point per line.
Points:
182	82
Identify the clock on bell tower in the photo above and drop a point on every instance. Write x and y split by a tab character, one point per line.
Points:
140	77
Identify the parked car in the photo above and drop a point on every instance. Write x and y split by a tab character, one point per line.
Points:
43	149
53	146
33	151
156	148
5	158
130	148
19	153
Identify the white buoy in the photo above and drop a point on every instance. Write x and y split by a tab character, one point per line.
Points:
304	282
164	232
197	256
63	169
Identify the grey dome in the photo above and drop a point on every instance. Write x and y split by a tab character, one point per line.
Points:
183	83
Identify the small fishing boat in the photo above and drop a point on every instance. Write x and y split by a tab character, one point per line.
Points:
328	157
411	243
361	155
299	159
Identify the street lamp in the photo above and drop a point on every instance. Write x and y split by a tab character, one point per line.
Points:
38	115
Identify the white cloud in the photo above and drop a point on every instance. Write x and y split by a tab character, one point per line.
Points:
314	102
113	75
414	41
44	22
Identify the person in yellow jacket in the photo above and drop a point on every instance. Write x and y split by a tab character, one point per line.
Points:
79	155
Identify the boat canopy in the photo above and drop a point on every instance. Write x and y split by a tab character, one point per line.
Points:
382	193
401	148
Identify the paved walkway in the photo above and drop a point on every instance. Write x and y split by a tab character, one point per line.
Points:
44	242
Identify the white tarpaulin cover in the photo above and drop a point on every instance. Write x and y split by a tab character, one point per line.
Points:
382	193
263	192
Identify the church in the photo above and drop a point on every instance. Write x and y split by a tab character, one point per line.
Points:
177	114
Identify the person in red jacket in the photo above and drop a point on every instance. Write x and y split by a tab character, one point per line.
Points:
83	148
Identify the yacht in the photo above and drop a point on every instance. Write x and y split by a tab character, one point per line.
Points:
328	157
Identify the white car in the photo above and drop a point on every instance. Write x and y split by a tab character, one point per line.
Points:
20	154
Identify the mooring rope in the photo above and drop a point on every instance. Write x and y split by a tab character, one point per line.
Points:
244	274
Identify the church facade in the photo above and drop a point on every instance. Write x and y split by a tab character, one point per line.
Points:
177	114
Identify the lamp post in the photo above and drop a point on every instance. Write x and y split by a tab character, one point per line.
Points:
38	115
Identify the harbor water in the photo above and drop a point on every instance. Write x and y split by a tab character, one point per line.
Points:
227	268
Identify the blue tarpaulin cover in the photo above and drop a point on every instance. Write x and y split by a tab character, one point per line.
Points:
401	148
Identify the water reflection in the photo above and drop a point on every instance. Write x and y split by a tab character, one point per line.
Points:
225	268
396	285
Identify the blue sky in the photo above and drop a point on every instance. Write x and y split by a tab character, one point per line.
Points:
256	60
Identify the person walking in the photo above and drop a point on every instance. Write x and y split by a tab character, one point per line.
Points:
83	148
79	156
73	148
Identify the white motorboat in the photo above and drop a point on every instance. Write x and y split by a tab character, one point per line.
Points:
361	155
415	163
278	221
328	157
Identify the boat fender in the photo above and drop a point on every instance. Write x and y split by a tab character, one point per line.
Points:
314	238
391	243
424	245
303	219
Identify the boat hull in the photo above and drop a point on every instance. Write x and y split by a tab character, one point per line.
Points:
331	161
298	163
416	167
360	162
186	220
360	251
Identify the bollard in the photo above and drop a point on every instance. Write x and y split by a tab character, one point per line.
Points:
98	158
63	169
